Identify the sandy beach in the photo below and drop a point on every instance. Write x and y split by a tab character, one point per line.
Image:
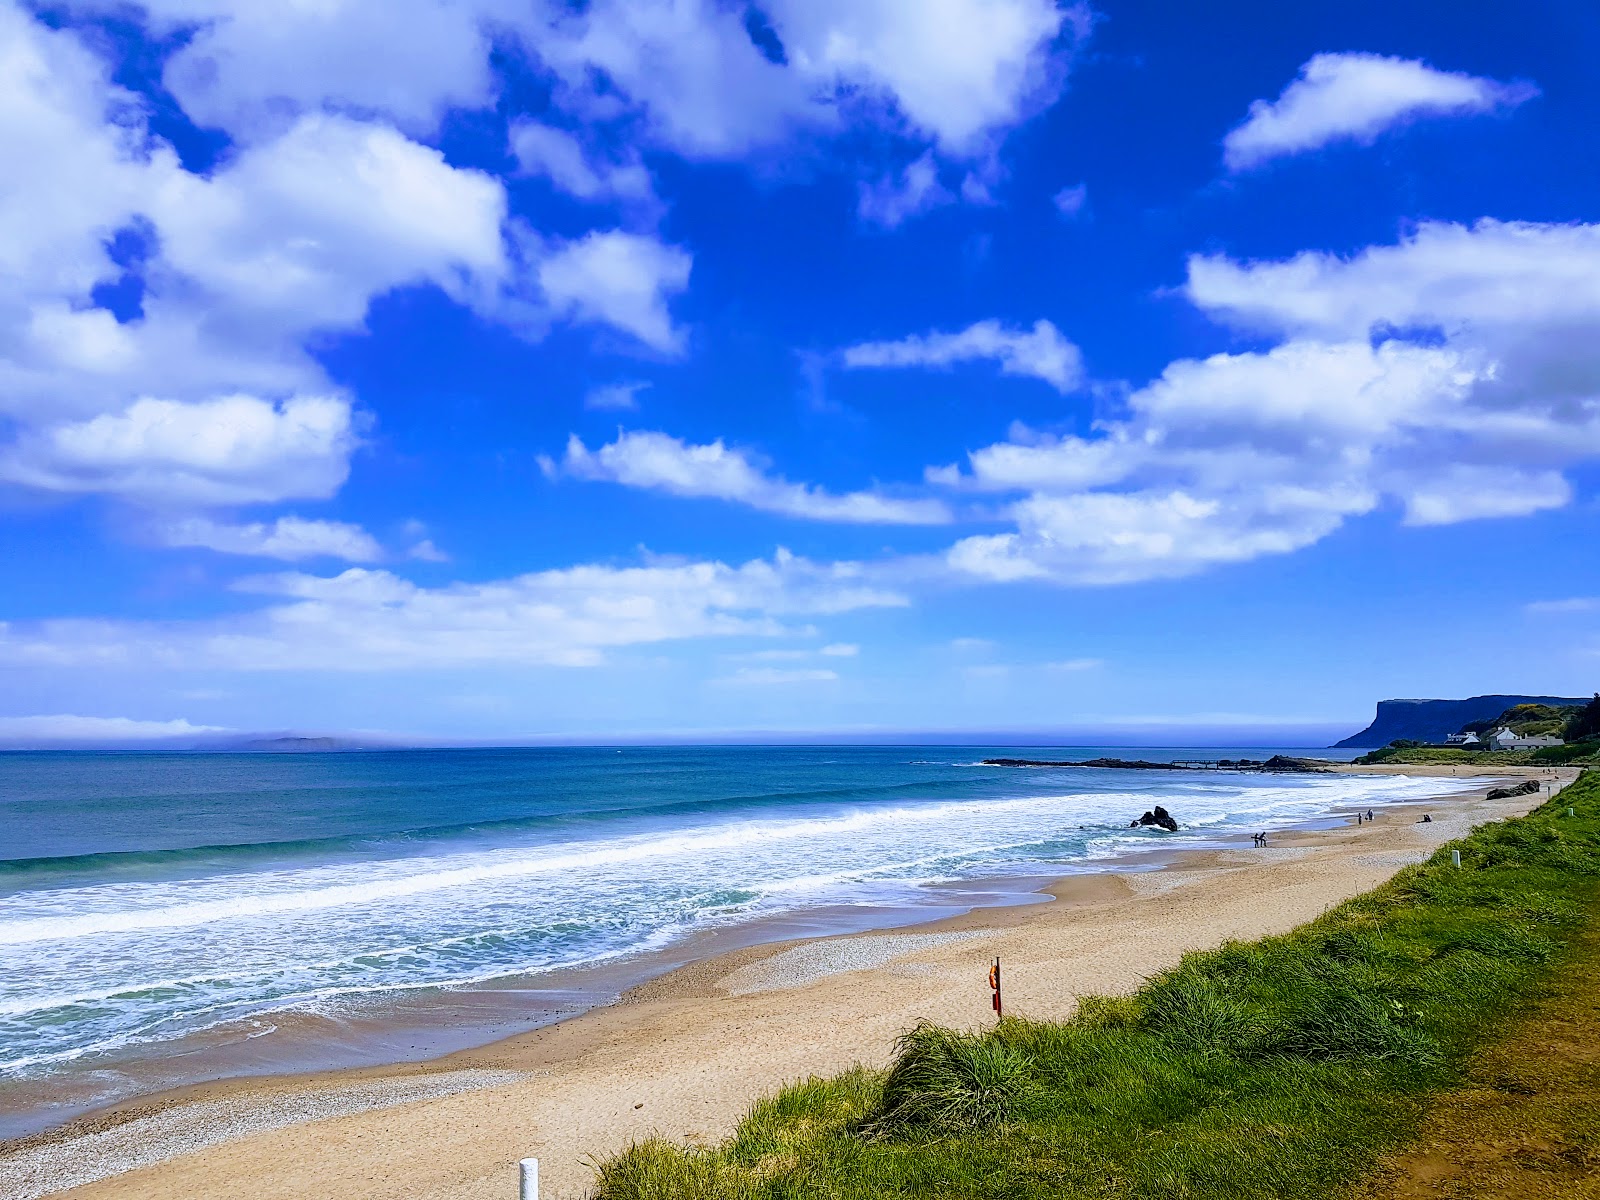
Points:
685	1055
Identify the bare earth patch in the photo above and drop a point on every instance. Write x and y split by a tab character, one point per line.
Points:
1526	1124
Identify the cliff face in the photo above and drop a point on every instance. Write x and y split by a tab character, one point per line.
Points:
1434	720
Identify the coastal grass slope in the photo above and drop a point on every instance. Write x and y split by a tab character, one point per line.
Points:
1278	1068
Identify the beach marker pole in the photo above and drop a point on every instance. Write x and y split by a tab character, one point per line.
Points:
994	983
1455	858
530	1179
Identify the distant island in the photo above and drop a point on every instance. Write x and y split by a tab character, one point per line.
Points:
300	745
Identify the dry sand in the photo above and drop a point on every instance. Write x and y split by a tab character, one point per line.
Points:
685	1056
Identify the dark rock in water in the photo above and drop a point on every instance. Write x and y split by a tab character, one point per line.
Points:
1283	764
1526	788
1158	816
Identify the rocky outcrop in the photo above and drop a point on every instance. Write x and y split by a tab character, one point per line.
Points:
1283	764
1526	788
1158	817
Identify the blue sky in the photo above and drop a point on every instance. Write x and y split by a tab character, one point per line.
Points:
1144	370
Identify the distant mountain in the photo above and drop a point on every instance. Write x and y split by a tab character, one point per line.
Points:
301	745
1435	720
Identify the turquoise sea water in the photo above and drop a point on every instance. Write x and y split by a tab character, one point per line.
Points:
145	898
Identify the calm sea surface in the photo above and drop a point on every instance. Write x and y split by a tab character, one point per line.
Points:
148	898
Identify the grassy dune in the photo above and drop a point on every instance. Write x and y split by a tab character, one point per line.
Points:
1278	1068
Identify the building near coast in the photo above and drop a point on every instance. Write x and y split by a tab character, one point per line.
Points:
1504	739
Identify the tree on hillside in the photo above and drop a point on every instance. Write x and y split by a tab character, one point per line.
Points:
1585	723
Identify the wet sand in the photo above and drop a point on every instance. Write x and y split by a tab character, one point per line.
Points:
685	1055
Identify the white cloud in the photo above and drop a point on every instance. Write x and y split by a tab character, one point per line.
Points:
661	462
1575	604
767	676
619	279
1464	492
304	230
291	235
66	728
1123	537
161	453
249	68
833	650
615	397
1070	200
1355	97
287	538
561	157
364	619
1448	374
1041	352
426	551
956	72
894	198
972	645
1493	276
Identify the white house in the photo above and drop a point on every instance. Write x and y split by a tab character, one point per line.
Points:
1462	739
1504	739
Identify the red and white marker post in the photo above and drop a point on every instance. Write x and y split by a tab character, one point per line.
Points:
994	985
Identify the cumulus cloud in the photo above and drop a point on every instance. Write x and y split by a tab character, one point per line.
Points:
1041	352
288	538
660	462
1445	374
367	619
247	68
319	208
956	72
162	453
1355	97
619	279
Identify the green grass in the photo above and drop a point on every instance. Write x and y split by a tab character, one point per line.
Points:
1577	753
1430	755
1278	1068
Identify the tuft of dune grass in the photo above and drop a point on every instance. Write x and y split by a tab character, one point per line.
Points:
1277	1068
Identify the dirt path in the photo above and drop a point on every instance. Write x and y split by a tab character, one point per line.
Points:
1526	1123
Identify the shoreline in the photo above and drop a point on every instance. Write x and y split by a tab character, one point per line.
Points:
685	1054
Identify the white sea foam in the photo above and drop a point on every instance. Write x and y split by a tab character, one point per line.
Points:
98	967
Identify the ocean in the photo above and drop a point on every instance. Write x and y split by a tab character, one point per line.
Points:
152	903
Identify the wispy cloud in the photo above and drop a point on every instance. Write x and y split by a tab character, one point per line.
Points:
615	397
1041	352
769	676
64	727
1355	97
1551	608
288	538
659	462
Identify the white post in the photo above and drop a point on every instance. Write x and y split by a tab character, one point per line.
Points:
1455	861
530	1179
1569	812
